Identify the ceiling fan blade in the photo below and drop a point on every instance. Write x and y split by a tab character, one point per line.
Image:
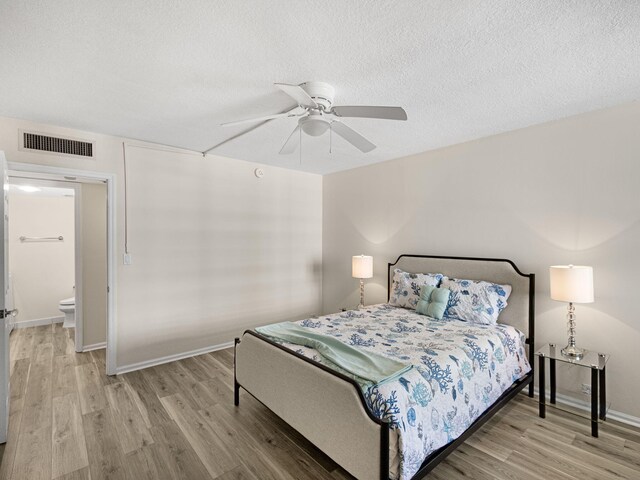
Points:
244	132
364	111
353	137
292	142
262	119
298	94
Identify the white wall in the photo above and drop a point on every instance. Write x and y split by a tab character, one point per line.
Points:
43	272
558	193
215	250
93	200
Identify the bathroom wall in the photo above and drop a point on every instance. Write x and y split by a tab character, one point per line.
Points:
43	272
93	200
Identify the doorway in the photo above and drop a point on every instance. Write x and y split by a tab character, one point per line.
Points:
85	184
58	257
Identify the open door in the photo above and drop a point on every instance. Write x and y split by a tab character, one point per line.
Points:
4	314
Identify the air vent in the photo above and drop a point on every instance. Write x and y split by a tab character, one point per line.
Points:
44	143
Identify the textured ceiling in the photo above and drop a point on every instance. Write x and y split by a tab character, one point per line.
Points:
171	72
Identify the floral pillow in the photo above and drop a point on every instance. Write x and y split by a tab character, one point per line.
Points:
475	301
405	289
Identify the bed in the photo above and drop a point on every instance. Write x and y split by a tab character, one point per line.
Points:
324	403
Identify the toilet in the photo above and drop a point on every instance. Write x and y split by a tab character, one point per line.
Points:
68	307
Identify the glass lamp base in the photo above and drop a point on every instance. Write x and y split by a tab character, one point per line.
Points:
573	352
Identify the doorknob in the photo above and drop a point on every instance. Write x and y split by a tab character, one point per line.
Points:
8	313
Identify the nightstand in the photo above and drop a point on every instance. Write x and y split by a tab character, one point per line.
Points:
595	361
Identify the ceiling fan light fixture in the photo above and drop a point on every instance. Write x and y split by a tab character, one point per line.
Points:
313	126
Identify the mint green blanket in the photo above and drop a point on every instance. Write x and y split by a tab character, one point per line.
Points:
366	365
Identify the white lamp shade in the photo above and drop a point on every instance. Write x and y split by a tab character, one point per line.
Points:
362	266
571	283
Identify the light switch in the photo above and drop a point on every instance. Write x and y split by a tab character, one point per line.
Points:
128	260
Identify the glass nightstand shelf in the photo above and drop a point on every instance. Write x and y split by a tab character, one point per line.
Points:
595	361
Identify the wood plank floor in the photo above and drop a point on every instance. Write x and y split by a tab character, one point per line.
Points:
177	421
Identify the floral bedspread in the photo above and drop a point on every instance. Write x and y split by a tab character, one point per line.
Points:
460	369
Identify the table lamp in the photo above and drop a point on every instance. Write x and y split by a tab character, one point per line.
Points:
573	284
362	267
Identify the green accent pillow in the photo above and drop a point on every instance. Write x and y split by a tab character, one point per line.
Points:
433	301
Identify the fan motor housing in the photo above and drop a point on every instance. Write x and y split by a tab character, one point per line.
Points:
321	92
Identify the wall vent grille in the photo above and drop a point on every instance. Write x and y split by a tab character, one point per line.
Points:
44	143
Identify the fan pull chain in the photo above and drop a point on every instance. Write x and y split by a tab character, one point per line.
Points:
300	132
330	138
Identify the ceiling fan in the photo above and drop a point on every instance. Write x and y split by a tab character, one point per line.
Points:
317	114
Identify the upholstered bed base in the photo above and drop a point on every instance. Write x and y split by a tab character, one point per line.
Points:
306	397
305	393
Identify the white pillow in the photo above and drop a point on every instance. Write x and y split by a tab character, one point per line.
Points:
475	301
405	289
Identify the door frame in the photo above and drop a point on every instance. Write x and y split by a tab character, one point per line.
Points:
5	359
47	172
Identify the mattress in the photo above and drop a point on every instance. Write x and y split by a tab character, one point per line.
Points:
459	370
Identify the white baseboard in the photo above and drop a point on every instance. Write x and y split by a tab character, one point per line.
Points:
95	346
624	418
171	358
586	406
36	322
